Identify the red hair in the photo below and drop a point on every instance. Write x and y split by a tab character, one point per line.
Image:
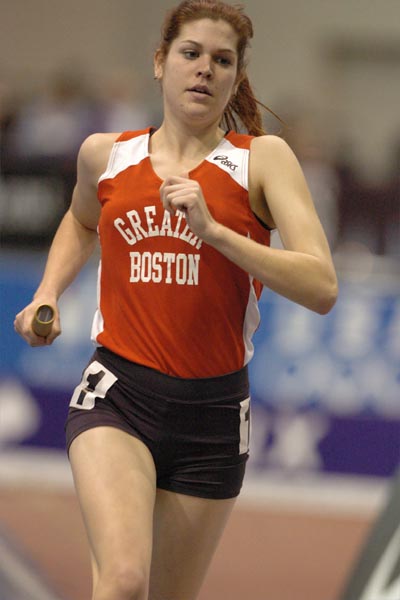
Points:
243	104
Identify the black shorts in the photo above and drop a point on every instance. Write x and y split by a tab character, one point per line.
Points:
197	430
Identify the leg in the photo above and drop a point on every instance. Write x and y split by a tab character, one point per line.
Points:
95	571
186	533
114	477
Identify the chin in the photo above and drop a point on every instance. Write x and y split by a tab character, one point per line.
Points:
201	114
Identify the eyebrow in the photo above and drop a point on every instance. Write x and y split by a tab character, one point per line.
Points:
201	45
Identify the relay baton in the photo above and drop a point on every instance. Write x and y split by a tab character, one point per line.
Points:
43	320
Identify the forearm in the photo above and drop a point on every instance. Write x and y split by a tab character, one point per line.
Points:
300	277
72	246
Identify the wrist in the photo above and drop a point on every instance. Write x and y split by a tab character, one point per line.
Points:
215	234
46	294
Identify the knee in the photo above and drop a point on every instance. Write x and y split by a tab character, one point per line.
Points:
122	581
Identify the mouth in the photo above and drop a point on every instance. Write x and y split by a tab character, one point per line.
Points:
200	89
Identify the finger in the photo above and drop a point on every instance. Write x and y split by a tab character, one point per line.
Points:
184	184
20	328
169	186
167	204
174	180
30	337
184	176
178	191
38	342
181	199
179	204
55	332
169	194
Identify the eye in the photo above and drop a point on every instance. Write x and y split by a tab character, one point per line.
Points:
190	54
223	60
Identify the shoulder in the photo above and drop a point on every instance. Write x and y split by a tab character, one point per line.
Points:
271	157
94	153
271	145
97	143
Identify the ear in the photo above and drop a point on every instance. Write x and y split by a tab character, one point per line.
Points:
158	64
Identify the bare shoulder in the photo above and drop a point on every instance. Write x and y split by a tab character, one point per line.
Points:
94	153
272	146
273	160
98	141
92	162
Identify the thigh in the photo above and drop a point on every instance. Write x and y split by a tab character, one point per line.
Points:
114	477
187	530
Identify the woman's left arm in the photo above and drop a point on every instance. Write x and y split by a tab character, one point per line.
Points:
303	271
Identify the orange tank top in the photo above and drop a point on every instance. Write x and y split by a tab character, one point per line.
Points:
166	299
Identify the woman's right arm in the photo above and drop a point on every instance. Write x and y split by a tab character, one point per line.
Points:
74	241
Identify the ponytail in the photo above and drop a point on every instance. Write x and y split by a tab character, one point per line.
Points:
245	106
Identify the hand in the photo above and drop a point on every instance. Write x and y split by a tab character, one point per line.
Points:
23	324
185	195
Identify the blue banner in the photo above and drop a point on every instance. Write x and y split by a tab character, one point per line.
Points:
325	389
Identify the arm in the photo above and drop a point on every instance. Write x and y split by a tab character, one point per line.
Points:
303	272
73	244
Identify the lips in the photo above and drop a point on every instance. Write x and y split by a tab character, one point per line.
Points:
201	89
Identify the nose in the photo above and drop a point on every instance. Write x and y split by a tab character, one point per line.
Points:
206	73
204	70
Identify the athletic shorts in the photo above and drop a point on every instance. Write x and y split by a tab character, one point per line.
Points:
197	430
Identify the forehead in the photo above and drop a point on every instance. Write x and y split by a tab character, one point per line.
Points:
209	32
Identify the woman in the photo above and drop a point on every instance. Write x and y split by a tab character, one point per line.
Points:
158	427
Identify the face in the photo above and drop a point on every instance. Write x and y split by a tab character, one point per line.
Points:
199	74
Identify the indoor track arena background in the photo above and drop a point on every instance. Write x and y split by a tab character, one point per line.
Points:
313	521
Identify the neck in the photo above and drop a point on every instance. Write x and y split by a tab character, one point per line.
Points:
186	141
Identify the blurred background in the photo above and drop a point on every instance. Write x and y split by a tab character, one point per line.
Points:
326	390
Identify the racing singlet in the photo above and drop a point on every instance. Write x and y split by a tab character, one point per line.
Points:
166	299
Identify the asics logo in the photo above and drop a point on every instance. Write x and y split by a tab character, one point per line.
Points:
225	161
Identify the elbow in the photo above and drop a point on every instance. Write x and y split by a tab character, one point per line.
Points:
327	298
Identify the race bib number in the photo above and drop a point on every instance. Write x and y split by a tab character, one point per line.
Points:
96	381
244	426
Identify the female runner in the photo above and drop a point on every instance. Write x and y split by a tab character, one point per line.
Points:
157	430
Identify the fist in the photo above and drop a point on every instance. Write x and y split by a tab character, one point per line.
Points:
186	195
